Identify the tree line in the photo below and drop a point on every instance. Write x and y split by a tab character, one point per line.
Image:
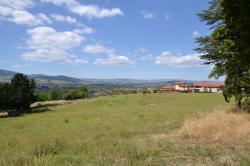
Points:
63	94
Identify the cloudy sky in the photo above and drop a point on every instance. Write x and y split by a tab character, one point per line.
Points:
145	39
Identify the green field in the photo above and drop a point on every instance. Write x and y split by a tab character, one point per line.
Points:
114	130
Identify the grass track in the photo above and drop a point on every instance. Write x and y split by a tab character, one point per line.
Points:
114	130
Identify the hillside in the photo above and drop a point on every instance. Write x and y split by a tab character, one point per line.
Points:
62	80
6	75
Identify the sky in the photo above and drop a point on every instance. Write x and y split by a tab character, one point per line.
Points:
139	39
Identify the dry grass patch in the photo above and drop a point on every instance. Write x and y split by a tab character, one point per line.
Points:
51	103
222	127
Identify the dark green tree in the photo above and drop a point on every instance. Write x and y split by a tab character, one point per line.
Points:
79	93
21	91
82	91
4	96
55	94
227	47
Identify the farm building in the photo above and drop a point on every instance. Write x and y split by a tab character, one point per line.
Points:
214	87
183	86
168	88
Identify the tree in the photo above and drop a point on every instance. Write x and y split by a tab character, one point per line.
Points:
22	92
82	92
4	96
55	94
79	93
17	95
227	47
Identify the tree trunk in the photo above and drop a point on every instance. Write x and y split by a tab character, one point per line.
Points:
239	105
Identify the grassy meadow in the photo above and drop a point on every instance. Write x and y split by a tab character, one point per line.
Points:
114	130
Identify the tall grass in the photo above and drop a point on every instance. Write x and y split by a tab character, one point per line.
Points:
223	127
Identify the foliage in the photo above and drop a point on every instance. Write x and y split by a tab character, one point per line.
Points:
17	95
227	47
63	94
4	96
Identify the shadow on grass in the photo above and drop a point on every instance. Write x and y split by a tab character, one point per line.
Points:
40	108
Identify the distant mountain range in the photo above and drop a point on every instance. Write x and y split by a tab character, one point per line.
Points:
42	79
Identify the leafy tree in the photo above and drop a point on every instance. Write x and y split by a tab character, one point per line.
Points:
4	96
42	96
16	96
82	91
71	95
79	93
21	92
55	95
227	47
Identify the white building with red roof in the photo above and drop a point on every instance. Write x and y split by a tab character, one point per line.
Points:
214	87
202	86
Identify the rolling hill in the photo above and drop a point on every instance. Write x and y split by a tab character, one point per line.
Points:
62	80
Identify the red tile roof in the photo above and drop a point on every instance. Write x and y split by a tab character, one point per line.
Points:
209	84
168	87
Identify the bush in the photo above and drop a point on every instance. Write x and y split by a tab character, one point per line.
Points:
42	96
246	104
55	95
79	93
65	94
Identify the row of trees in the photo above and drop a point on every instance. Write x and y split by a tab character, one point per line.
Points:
228	46
63	94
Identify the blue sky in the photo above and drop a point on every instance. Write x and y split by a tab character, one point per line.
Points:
150	39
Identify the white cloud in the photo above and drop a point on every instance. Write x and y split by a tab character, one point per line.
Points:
90	11
17	4
97	49
196	34
114	60
87	30
16	11
48	45
44	18
62	18
147	15
169	59
84	30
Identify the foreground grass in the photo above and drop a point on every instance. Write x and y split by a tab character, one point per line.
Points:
114	131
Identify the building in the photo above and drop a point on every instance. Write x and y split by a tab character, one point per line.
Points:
181	86
168	88
214	87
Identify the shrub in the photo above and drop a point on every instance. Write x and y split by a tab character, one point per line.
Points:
42	96
55	95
